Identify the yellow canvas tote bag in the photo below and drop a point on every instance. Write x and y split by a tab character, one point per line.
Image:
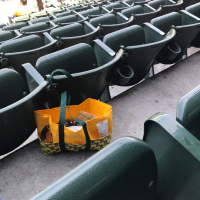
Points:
61	138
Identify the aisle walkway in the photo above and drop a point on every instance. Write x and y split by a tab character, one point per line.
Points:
28	171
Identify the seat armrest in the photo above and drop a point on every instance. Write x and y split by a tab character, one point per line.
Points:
91	6
13	21
188	18
147	8
33	78
152	33
51	16
81	17
178	157
170	2
89	28
104	53
29	23
17	33
121	18
125	169
104	10
47	38
52	24
125	4
180	2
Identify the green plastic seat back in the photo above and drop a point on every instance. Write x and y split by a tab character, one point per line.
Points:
187	28
188	112
104	20
2	25
135	35
36	27
194	9
133	10
74	59
14	26
136	41
79	60
17	122
94	11
54	10
166	21
21	18
157	3
125	169
38	14
6	35
63	14
67	19
26	50
90	67
72	30
22	44
41	19
142	13
113	5
12	87
74	7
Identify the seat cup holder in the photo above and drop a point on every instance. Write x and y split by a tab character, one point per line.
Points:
123	75
172	51
4	62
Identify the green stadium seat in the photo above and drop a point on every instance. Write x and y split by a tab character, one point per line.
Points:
91	70
142	13
38	29
187	27
16	52
137	41
16	26
17	106
63	21
73	34
195	10
110	23
136	2
131	173
176	146
167	6
94	12
117	7
9	35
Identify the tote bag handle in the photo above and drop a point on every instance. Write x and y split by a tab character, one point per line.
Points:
65	101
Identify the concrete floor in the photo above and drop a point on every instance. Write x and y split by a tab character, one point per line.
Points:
28	171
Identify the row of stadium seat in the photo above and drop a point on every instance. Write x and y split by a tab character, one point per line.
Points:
141	14
102	63
160	7
29	49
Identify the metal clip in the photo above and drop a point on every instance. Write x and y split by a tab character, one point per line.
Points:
58	43
100	29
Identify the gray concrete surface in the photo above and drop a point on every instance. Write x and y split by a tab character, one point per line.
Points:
28	171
